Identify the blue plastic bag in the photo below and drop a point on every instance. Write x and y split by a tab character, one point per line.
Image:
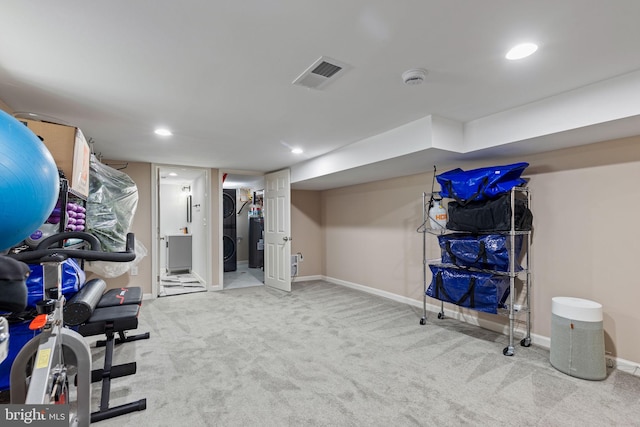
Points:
476	290
73	278
19	335
480	184
485	251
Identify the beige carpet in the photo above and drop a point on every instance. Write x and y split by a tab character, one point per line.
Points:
325	355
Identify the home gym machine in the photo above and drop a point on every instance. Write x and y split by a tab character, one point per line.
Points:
42	370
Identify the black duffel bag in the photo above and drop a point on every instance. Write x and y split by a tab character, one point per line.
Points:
489	215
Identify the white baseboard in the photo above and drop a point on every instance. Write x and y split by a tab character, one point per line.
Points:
307	278
627	366
539	340
431	308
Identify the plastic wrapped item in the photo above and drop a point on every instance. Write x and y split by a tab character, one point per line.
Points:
114	269
111	205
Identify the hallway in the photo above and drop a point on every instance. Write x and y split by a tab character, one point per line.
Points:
243	277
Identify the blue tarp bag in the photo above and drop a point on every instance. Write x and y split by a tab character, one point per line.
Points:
73	278
485	252
19	335
476	290
480	184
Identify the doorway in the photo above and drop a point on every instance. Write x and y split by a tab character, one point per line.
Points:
181	236
242	230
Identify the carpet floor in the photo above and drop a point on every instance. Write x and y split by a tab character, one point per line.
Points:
326	355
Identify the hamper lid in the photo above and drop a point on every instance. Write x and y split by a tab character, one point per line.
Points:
577	309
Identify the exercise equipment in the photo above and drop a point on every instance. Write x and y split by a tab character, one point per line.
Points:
40	372
119	297
13	288
112	313
13	292
80	307
110	321
72	278
4	339
28	182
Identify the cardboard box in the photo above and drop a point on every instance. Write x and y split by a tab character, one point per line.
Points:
69	149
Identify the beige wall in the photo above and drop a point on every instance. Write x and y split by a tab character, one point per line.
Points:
371	237
584	243
585	201
307	233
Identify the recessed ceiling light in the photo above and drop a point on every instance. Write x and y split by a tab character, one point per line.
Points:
296	150
163	132
173	174
521	51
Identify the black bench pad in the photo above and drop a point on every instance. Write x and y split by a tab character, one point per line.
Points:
121	296
116	319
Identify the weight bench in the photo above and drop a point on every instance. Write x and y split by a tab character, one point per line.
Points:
118	298
111	313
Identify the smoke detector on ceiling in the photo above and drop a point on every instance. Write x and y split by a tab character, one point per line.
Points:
414	77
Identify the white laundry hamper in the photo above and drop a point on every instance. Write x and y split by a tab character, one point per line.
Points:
577	338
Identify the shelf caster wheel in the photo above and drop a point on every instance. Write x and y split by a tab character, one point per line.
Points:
508	351
423	321
525	342
440	315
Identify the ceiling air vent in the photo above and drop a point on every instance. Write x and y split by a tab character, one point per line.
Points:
322	72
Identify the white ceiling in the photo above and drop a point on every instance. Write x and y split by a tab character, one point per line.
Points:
219	75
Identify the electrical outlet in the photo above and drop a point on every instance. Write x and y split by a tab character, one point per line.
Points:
610	362
134	270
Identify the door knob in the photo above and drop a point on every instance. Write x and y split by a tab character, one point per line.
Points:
287	239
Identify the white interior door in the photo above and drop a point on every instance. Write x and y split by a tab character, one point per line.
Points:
277	230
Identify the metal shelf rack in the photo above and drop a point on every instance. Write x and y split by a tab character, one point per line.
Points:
513	308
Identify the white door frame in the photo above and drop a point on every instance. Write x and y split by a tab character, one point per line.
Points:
220	216
155	226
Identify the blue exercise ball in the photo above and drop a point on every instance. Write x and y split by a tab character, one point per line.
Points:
29	182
